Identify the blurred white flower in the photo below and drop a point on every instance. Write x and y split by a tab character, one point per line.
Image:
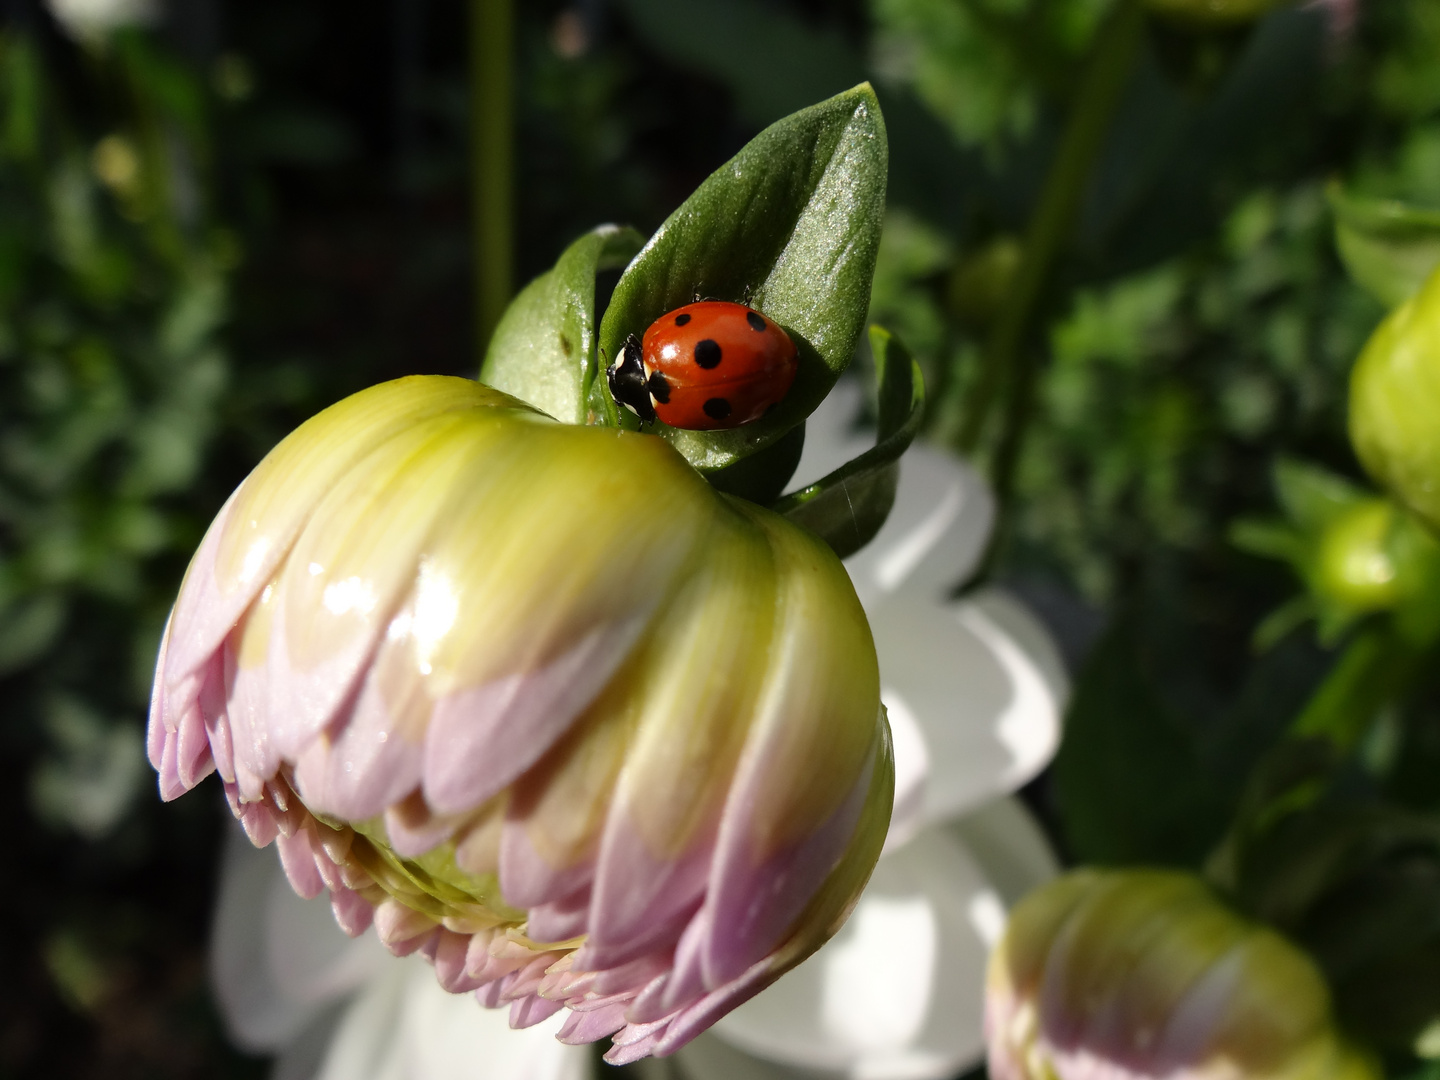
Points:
88	20
975	690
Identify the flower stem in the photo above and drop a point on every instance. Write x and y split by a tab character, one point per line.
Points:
492	157
1105	75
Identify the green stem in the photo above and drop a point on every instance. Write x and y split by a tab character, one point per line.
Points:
492	157
1105	75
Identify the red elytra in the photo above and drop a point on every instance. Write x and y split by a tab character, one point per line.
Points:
720	365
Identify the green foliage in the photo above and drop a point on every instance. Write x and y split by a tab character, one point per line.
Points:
984	66
113	286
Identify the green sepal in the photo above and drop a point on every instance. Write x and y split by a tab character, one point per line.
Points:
847	507
1388	247
543	351
791	226
761	477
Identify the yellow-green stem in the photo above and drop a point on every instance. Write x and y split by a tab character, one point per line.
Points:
492	155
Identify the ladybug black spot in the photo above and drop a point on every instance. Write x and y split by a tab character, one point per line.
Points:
707	353
755	321
682	318
717	408
658	387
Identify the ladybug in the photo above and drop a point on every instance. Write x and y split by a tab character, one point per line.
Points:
711	364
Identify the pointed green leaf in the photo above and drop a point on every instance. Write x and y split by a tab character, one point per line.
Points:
789	225
1388	247
543	351
848	507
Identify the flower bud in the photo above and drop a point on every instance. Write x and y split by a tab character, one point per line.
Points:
1138	974
1395	403
538	703
1373	556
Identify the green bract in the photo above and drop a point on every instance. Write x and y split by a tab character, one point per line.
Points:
1388	247
543	351
1395	399
848	506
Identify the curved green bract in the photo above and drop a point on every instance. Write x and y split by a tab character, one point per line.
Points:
543	351
847	507
1388	247
791	226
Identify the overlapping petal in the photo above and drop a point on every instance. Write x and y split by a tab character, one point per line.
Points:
538	703
1135	974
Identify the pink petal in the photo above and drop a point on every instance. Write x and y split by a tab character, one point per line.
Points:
155	728
364	764
402	929
528	1011
298	860
714	1005
450	970
640	902
625	1053
413	829
585	1027
353	912
529	881
482	738
560	921
204	614
751	905
171	786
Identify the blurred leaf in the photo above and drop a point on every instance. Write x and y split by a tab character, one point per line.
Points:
1126	775
1358	884
543	351
94	773
28	629
1388	247
847	507
790	225
1313	496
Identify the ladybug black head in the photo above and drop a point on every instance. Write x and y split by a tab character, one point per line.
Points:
627	381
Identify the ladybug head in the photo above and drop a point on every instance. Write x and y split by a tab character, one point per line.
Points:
627	379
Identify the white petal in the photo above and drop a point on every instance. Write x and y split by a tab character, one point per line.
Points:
935	534
276	961
898	993
1009	846
405	1027
984	687
831	438
943	510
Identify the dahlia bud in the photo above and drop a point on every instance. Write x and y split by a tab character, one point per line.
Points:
536	701
1141	974
1395	398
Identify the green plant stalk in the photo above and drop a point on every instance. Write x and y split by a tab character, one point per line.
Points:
492	158
1378	666
1105	75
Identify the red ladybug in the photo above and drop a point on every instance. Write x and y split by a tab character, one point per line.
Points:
711	364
